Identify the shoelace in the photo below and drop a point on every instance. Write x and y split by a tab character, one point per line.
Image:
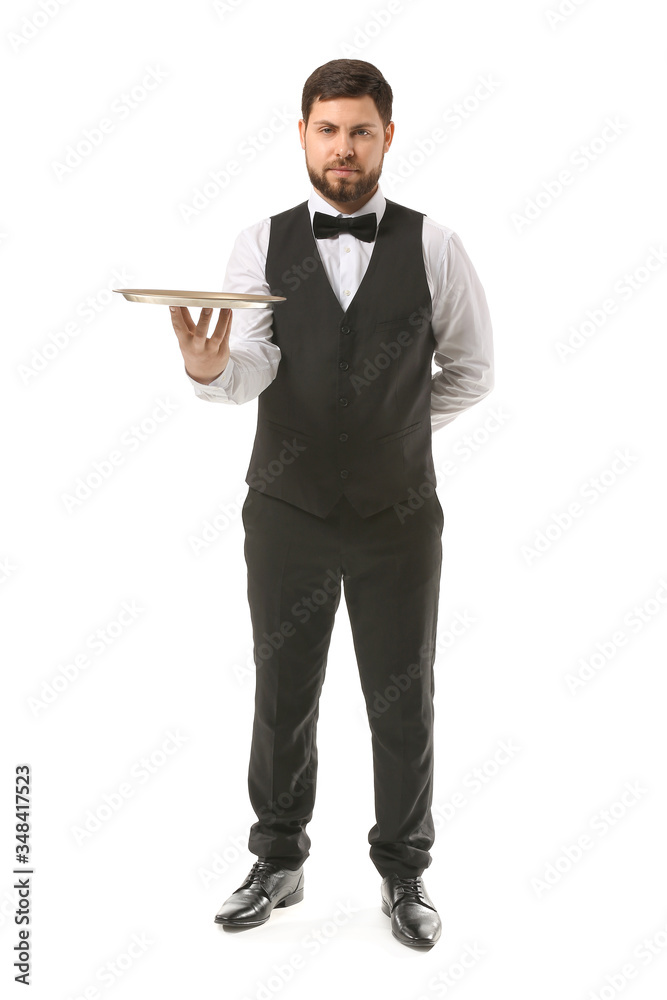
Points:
259	869
411	887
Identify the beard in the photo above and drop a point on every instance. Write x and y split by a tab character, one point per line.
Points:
344	188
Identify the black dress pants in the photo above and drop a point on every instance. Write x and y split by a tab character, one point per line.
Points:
390	570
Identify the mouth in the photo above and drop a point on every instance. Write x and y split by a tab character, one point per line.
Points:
342	171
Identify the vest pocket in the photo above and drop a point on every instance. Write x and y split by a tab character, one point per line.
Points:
401	323
397	434
283	427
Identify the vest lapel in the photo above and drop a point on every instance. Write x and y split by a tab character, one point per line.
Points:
378	251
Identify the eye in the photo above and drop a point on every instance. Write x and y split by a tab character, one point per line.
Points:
327	128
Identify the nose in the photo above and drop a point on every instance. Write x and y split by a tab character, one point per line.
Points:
344	148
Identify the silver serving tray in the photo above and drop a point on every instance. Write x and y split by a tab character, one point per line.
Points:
203	300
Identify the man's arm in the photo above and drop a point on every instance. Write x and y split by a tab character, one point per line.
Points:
253	357
462	328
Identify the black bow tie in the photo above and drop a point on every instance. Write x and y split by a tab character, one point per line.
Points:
363	227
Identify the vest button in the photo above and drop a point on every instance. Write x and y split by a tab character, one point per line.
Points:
342	437
345	329
343	365
343	473
342	401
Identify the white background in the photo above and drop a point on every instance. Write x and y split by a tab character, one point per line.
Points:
536	923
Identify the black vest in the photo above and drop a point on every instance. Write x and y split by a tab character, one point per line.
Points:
349	411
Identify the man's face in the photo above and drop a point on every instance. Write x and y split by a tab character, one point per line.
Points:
345	133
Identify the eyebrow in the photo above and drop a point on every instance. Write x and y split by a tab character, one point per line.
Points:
360	125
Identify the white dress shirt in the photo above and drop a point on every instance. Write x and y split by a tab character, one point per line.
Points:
460	320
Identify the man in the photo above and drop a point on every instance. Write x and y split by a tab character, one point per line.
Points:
342	482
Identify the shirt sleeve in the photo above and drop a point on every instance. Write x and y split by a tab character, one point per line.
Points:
464	338
253	357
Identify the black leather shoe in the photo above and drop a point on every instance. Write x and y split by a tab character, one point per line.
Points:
414	918
267	886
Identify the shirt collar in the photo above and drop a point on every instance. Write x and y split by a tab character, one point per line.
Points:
377	203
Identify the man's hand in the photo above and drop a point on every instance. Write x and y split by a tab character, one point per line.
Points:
205	357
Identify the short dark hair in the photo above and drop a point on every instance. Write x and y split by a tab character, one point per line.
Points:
347	78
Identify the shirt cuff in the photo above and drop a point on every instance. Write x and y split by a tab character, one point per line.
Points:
221	382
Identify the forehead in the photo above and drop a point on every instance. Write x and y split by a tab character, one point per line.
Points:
345	111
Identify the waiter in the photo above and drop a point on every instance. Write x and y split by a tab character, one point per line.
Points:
341	481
